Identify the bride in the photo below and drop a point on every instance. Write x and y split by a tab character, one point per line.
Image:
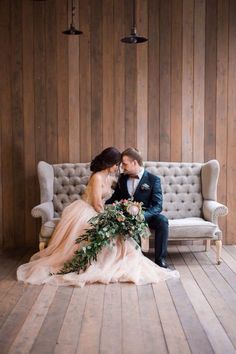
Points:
121	263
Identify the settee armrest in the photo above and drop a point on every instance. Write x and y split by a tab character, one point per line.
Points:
212	210
44	211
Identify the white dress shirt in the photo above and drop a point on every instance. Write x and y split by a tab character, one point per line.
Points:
132	183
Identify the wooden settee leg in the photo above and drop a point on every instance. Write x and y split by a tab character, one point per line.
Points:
218	251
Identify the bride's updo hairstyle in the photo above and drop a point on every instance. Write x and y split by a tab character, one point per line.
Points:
107	158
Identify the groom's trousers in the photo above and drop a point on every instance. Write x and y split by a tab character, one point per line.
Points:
159	223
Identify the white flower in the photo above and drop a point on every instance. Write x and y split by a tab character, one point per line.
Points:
133	210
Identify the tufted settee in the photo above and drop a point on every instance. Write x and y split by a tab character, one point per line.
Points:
189	197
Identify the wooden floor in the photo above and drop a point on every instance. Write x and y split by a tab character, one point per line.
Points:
196	314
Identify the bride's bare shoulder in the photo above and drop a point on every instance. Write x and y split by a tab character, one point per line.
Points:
96	178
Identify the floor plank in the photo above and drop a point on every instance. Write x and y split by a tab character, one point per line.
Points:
174	335
209	321
152	332
217	279
195	334
228	259
47	338
30	329
195	314
224	270
89	339
132	330
17	317
214	298
69	335
9	279
111	332
231	249
11	260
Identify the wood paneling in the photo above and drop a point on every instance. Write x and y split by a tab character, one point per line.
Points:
118	76
51	80
187	81
165	47
222	100
176	81
7	237
65	98
18	123
231	141
73	80
29	123
154	80
210	80
130	83
199	80
62	84
107	74
85	82
142	74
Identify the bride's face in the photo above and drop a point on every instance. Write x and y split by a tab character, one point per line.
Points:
113	169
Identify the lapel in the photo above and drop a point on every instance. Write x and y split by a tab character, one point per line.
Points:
142	181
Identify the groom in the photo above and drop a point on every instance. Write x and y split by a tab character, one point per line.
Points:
144	187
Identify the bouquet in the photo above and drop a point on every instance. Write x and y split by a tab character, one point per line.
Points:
124	219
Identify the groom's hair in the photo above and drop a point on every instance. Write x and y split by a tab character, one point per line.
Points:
133	154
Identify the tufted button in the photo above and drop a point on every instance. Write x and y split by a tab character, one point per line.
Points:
177	209
182	201
189	209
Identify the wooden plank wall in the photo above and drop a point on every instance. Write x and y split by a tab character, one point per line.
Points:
65	98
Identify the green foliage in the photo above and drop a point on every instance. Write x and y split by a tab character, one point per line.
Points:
124	218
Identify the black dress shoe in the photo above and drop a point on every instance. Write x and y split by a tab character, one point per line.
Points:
162	263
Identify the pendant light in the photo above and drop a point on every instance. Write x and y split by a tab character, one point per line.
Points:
134	38
72	30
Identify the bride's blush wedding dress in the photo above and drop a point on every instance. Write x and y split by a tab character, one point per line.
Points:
120	263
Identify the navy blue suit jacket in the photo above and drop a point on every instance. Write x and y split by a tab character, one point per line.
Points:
148	192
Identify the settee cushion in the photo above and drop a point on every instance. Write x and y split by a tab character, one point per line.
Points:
191	228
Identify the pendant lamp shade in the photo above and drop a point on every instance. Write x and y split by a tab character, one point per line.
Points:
134	38
72	30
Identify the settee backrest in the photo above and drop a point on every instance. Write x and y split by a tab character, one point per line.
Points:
181	186
184	185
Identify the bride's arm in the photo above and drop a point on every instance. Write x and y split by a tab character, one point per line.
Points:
96	192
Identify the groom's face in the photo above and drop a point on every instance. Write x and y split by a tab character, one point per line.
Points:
130	166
